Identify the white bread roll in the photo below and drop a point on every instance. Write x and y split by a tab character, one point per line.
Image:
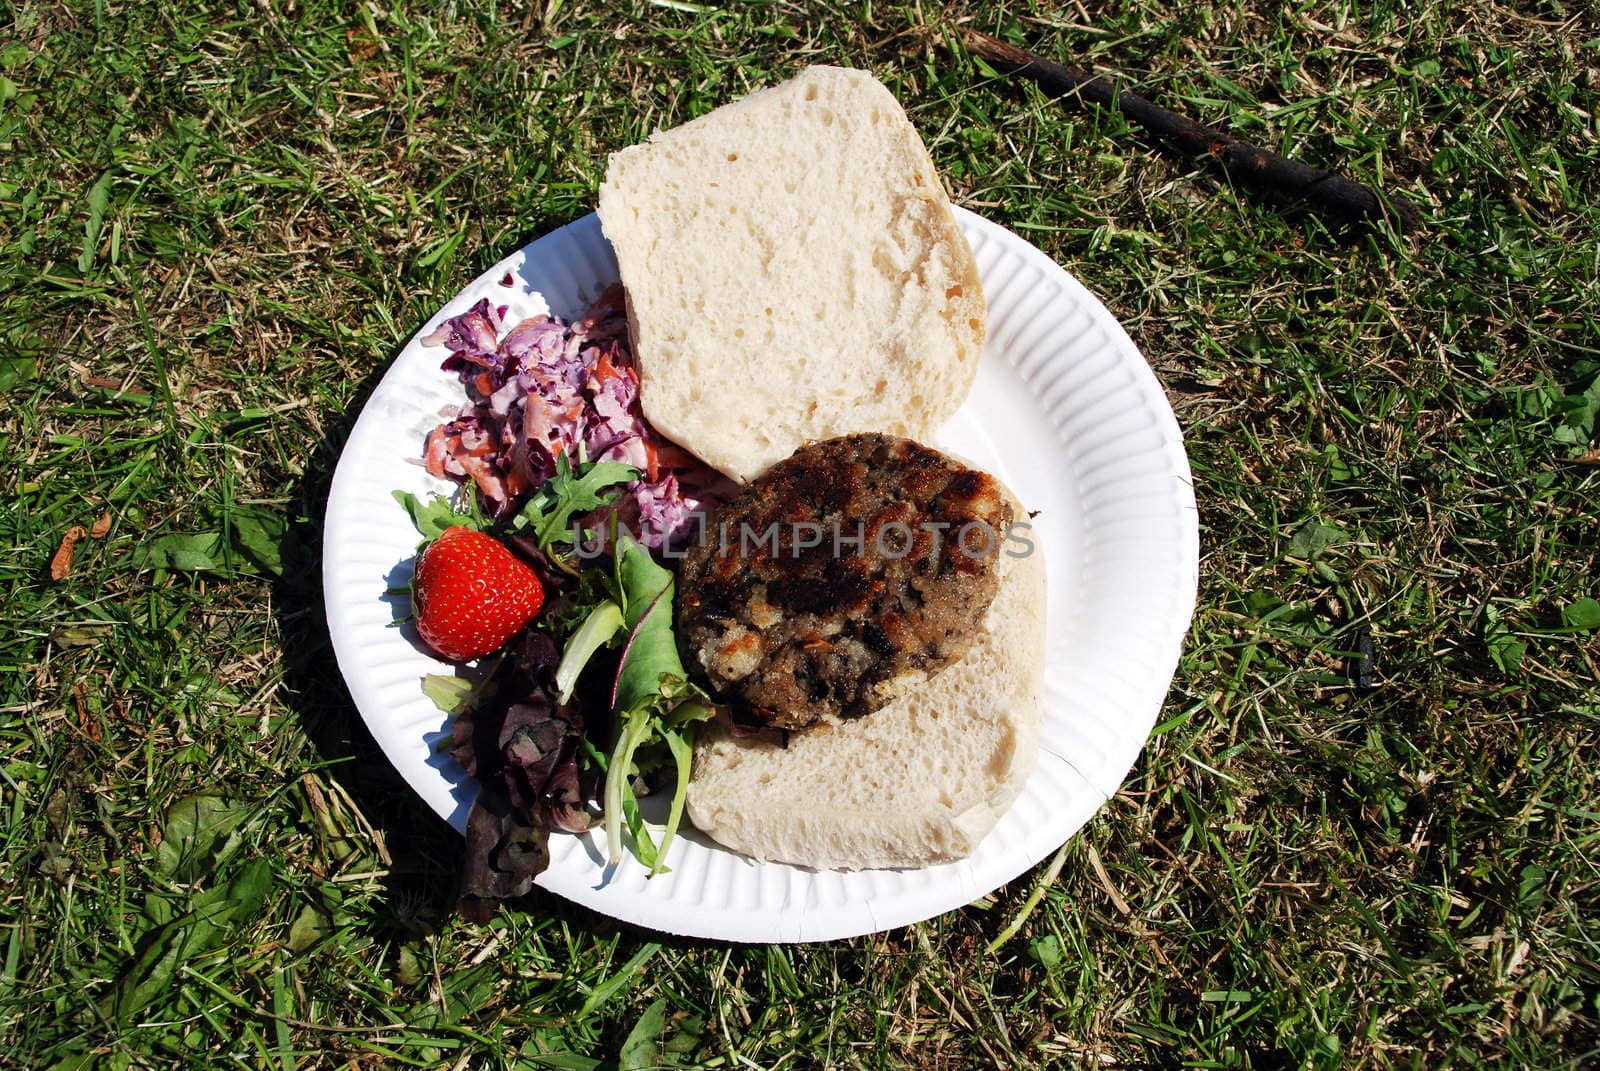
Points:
919	781
794	272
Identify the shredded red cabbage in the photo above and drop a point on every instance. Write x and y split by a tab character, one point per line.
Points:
545	387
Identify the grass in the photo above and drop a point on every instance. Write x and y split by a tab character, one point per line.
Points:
217	225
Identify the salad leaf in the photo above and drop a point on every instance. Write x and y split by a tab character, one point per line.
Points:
568	493
640	578
506	850
522	748
448	693
651	653
645	589
436	513
654	704
644	846
632	731
682	752
603	622
594	588
687	713
680	748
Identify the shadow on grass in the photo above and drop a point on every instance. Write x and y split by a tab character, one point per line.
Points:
419	887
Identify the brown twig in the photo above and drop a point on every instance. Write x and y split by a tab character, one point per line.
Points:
1242	161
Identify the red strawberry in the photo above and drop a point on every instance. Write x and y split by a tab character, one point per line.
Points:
471	595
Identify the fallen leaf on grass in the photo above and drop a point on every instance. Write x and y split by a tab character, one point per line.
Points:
408	969
56	863
121	387
309	927
186	552
259	533
1583	614
639	1049
196	836
212	917
102	526
258	536
15	371
361	43
1505	648
85	635
99	201
1312	538
90	725
61	564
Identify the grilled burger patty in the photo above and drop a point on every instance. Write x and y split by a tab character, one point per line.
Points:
844	575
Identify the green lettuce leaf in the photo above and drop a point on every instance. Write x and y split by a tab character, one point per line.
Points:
432	515
568	493
604	622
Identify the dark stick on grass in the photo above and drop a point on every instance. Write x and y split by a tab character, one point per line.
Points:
1242	161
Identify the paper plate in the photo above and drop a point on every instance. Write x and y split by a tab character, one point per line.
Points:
1064	410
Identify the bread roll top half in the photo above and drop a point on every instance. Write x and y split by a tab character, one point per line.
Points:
794	272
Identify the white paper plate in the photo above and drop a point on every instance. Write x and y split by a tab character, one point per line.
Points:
1064	410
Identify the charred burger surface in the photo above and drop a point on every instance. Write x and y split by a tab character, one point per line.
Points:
845	574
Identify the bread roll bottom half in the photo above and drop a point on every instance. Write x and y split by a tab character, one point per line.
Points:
919	781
